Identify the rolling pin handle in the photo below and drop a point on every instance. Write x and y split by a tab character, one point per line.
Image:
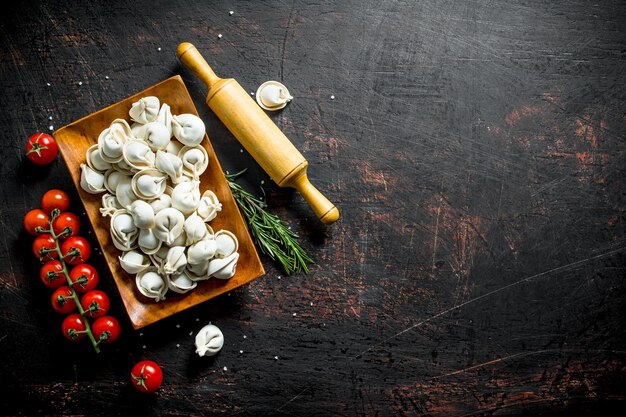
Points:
322	207
189	55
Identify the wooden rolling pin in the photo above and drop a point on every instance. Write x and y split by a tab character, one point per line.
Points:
257	133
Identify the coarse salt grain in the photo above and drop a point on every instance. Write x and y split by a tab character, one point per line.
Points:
159	49
50	118
106	77
144	346
177	345
219	36
241	352
80	83
51	127
231	13
275	358
178	326
245	337
225	369
48	84
294	314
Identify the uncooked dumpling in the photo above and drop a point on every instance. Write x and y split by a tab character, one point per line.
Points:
188	128
145	110
169	224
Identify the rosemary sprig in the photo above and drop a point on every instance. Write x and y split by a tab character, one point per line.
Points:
269	232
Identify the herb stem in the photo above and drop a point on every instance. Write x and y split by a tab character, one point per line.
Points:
269	232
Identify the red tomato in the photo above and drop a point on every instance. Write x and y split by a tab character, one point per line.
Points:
51	274
55	199
44	247
85	277
76	250
106	329
62	300
95	303
41	148
74	327
36	218
146	376
66	220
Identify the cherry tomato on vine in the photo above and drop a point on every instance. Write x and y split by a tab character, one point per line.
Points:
95	303
51	274
73	327
41	149
63	220
44	247
146	376
55	199
62	300
36	218
76	250
85	277
106	329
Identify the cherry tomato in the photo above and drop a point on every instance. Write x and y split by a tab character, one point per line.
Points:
73	327
62	300
63	220
44	247
36	218
76	250
106	329
55	199
41	148
95	303
146	376
51	274
85	277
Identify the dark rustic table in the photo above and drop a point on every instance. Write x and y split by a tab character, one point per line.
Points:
475	150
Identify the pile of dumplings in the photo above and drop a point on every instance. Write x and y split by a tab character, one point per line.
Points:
149	172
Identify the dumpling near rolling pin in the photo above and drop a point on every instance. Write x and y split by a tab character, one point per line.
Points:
272	95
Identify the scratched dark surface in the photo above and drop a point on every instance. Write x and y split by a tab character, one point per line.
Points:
475	150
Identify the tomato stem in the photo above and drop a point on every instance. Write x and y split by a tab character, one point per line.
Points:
74	252
51	275
81	280
141	379
36	147
53	215
87	330
94	307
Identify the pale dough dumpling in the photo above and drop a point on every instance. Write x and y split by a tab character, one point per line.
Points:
209	340
145	110
169	224
188	128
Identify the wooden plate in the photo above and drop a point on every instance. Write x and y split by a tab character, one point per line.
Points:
73	141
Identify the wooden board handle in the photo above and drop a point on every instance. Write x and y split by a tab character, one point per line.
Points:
191	57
